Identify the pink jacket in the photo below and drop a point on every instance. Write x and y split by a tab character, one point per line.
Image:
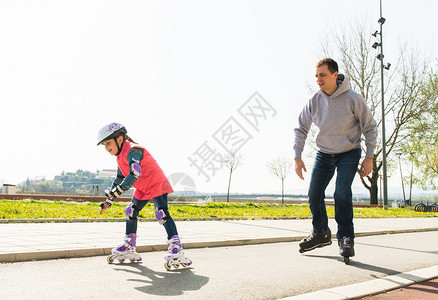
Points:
152	181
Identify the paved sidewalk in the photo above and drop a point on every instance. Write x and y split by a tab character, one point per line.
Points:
40	241
30	241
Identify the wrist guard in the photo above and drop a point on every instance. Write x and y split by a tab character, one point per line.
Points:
108	202
114	193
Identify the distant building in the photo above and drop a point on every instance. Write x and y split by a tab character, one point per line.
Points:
104	173
8	189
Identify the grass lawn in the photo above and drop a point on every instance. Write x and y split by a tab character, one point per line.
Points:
39	209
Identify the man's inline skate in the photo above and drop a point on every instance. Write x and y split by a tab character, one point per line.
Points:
346	248
314	240
175	255
125	250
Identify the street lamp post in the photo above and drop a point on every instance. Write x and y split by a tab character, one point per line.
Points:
381	21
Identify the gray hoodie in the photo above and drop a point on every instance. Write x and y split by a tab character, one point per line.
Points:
341	119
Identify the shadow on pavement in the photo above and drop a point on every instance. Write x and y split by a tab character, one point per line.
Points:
360	265
169	283
398	248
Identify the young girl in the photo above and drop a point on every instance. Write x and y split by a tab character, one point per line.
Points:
137	168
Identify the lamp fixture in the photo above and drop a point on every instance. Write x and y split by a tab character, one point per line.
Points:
381	21
375	45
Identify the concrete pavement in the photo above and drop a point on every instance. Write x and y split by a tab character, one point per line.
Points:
29	241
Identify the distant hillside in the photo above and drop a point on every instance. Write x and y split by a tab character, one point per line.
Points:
79	182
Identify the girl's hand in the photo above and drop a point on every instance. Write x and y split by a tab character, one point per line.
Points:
104	206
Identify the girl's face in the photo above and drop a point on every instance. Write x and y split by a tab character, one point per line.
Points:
110	145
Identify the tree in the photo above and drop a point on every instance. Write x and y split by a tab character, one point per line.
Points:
405	100
423	143
231	160
280	167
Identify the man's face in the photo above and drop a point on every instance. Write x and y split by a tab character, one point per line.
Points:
326	80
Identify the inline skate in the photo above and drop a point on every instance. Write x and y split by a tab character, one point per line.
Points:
346	248
175	255
125	250
314	240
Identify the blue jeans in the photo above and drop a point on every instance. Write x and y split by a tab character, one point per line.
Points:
159	202
323	170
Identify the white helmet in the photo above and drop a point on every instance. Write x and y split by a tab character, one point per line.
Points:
110	131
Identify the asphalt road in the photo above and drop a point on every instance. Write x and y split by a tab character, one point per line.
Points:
267	271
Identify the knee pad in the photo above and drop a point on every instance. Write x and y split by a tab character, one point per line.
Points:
129	211
162	214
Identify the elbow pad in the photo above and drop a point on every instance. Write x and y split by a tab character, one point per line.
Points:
135	169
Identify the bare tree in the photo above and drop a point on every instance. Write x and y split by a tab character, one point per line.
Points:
231	160
280	167
403	85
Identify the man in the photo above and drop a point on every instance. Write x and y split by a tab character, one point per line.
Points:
342	116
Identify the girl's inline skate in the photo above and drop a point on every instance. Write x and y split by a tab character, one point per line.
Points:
175	255
125	250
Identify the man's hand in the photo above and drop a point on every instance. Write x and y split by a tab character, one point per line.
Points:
299	167
367	167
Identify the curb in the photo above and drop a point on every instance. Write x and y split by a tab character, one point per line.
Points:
358	234
88	252
97	220
371	287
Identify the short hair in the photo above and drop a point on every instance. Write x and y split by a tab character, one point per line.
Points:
332	65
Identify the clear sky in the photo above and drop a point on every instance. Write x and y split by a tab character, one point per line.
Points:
178	75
